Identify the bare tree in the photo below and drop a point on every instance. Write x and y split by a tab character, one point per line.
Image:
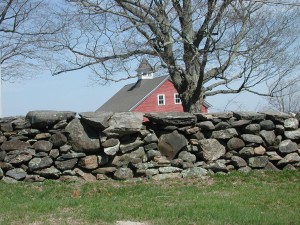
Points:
23	24
208	47
286	96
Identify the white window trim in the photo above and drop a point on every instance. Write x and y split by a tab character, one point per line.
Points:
164	99
177	103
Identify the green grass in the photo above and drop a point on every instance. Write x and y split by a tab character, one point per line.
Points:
255	198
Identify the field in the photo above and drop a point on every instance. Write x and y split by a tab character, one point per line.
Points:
254	198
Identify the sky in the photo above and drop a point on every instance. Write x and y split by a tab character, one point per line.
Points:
76	91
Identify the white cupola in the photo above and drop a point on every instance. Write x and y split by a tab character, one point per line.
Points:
145	70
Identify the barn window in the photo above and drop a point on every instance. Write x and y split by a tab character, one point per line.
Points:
177	99
161	99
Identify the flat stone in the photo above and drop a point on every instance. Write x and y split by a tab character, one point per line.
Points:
196	172
17	174
287	146
167	176
270	166
71	155
82	137
240	123
249	116
151	138
18	159
170	144
210	116
14	145
47	118
152	153
51	172
258	161
85	176
125	123
151	146
132	157
250	138
5	166
252	129
42	136
96	119
111	142
40	163
172	118
20	123
61	124
162	161
65	148
43	146
130	145
169	169
222	125
273	156
245	169
217	166
211	149
54	153
34	178
66	164
104	170
291	124
277	116
224	134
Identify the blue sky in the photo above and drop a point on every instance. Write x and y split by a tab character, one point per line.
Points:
75	91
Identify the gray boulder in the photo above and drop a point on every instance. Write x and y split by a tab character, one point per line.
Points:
278	117
170	144
290	158
293	134
211	149
39	163
195	172
89	162
172	118
96	119
17	174
250	138
287	146
224	134
238	161
113	149
217	166
235	144
169	169
58	139
291	124
268	136
47	118
267	125
187	156
240	123
82	137
51	172
124	123
252	128
246	152
206	125
258	161
14	145
66	164
42	146
130	145
123	174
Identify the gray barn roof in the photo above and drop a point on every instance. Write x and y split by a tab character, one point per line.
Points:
131	95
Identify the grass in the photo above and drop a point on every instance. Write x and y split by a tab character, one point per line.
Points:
255	198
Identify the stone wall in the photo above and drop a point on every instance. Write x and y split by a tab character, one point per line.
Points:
97	146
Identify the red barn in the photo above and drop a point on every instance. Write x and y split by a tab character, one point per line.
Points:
148	94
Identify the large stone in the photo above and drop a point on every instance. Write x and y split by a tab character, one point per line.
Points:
47	118
166	176
252	129
151	138
235	144
89	162
258	161
40	163
42	146
111	142
187	156
170	144
82	137
169	169
217	166
96	119
132	157
123	174
222	125
291	124
20	123
246	152
270	166
273	156
249	116
17	174
104	170
58	139
50	172
287	146
172	118
224	134
195	172
238	161
17	159
6	127
260	150
268	136
125	123
251	138
71	155
210	116
240	123
267	125
66	164
112	150
211	149
206	125
14	145
85	176
293	134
